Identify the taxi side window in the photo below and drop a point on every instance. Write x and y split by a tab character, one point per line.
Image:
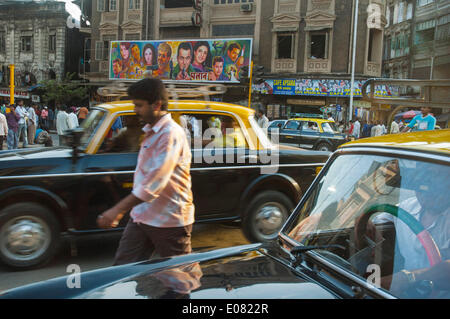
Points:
310	126
292	125
212	131
124	136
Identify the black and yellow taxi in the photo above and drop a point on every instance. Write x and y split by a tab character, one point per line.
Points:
237	172
310	133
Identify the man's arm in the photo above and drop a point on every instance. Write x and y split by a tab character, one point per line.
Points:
410	125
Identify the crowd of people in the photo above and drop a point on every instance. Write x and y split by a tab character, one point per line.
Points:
361	128
31	124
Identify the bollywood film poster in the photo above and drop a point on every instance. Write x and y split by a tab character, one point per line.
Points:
319	87
199	60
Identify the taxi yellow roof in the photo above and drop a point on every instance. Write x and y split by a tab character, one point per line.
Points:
429	141
311	119
242	111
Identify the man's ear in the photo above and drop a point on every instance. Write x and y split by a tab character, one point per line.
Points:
157	105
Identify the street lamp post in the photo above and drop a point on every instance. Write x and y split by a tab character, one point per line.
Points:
352	89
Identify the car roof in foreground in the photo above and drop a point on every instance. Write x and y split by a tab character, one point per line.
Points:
437	141
191	105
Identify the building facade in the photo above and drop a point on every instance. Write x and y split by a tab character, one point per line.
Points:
34	36
295	41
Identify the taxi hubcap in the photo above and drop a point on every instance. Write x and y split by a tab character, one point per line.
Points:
269	220
24	238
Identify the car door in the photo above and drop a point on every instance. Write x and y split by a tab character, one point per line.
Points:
218	169
290	133
108	174
309	134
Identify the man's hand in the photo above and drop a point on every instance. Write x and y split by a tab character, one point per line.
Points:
110	218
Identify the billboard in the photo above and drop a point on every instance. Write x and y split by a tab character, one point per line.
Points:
319	87
199	60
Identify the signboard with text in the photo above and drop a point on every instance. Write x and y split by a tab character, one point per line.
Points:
200	60
318	87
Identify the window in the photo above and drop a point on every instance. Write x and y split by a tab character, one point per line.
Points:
126	135
102	49
52	43
134	4
212	131
177	3
112	5
291	125
421	3
26	43
2	42
100	5
231	1
285	46
233	29
409	11
318	45
310	127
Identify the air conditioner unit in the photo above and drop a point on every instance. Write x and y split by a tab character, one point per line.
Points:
246	7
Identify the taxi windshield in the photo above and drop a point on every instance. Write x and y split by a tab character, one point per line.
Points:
392	217
330	127
91	125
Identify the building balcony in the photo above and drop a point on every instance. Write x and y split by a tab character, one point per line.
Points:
318	66
285	66
373	69
176	17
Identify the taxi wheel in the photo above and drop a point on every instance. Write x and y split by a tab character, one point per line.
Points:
324	147
29	235
266	215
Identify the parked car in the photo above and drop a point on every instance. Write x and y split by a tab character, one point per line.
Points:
46	193
377	212
311	133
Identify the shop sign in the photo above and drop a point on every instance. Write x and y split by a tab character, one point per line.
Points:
363	104
17	93
306	102
319	87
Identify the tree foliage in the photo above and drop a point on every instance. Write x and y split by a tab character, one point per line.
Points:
65	91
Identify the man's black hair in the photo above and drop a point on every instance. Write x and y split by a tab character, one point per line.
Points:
150	90
185	46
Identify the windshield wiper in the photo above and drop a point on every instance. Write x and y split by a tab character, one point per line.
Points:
298	251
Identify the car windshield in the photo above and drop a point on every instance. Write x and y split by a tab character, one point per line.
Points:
392	216
330	127
91	125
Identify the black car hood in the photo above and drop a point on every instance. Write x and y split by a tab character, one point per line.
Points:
242	272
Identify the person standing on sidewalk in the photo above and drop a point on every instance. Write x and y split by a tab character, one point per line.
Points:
62	125
3	130
12	118
161	203
23	131
31	124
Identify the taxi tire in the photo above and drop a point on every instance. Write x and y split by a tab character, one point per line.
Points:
324	145
38	213
249	227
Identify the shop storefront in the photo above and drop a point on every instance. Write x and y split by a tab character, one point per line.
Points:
288	97
5	94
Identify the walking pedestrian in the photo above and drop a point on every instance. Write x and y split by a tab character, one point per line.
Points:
72	118
424	121
23	131
356	129
44	118
3	130
51	119
82	114
31	124
12	118
161	201
395	127
262	119
62	125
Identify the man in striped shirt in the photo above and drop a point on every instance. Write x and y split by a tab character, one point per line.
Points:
161	201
